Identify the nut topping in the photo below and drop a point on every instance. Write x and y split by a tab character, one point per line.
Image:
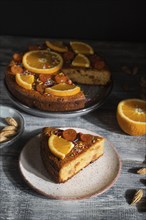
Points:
11	121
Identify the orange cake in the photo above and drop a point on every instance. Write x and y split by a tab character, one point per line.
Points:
66	152
45	76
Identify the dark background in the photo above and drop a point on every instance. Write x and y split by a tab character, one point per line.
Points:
111	20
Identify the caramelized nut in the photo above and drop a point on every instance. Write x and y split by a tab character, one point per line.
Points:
17	57
40	88
86	138
16	69
61	78
69	134
68	56
44	77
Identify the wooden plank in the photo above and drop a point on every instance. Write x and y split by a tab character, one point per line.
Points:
19	201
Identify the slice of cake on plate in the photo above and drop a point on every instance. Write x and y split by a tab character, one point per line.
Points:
66	152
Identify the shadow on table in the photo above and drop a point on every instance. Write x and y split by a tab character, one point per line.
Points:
143	181
10	165
144	160
105	115
105	120
141	205
134	169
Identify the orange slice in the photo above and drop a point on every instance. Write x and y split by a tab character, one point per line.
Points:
57	46
59	146
42	61
131	116
25	81
81	47
63	89
81	60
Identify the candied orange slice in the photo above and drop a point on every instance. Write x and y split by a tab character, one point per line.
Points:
131	116
81	60
57	46
63	89
42	61
81	47
59	146
24	81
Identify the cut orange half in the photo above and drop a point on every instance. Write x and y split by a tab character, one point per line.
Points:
81	47
59	146
81	60
24	81
63	89
42	61
131	116
57	46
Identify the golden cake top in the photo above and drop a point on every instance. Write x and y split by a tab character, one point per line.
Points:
68	141
50	59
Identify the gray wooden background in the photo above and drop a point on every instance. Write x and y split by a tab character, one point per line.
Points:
19	202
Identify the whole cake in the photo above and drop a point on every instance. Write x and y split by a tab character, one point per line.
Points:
66	152
45	76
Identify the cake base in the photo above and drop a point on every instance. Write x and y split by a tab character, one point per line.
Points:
47	102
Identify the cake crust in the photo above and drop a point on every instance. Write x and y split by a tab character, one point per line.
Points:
33	98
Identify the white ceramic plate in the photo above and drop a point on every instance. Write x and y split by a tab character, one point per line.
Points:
92	180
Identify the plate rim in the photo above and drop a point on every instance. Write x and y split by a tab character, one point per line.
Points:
66	114
91	195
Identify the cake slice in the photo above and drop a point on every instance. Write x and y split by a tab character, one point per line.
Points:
88	76
66	152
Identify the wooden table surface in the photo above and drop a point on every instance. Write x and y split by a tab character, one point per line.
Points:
18	201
